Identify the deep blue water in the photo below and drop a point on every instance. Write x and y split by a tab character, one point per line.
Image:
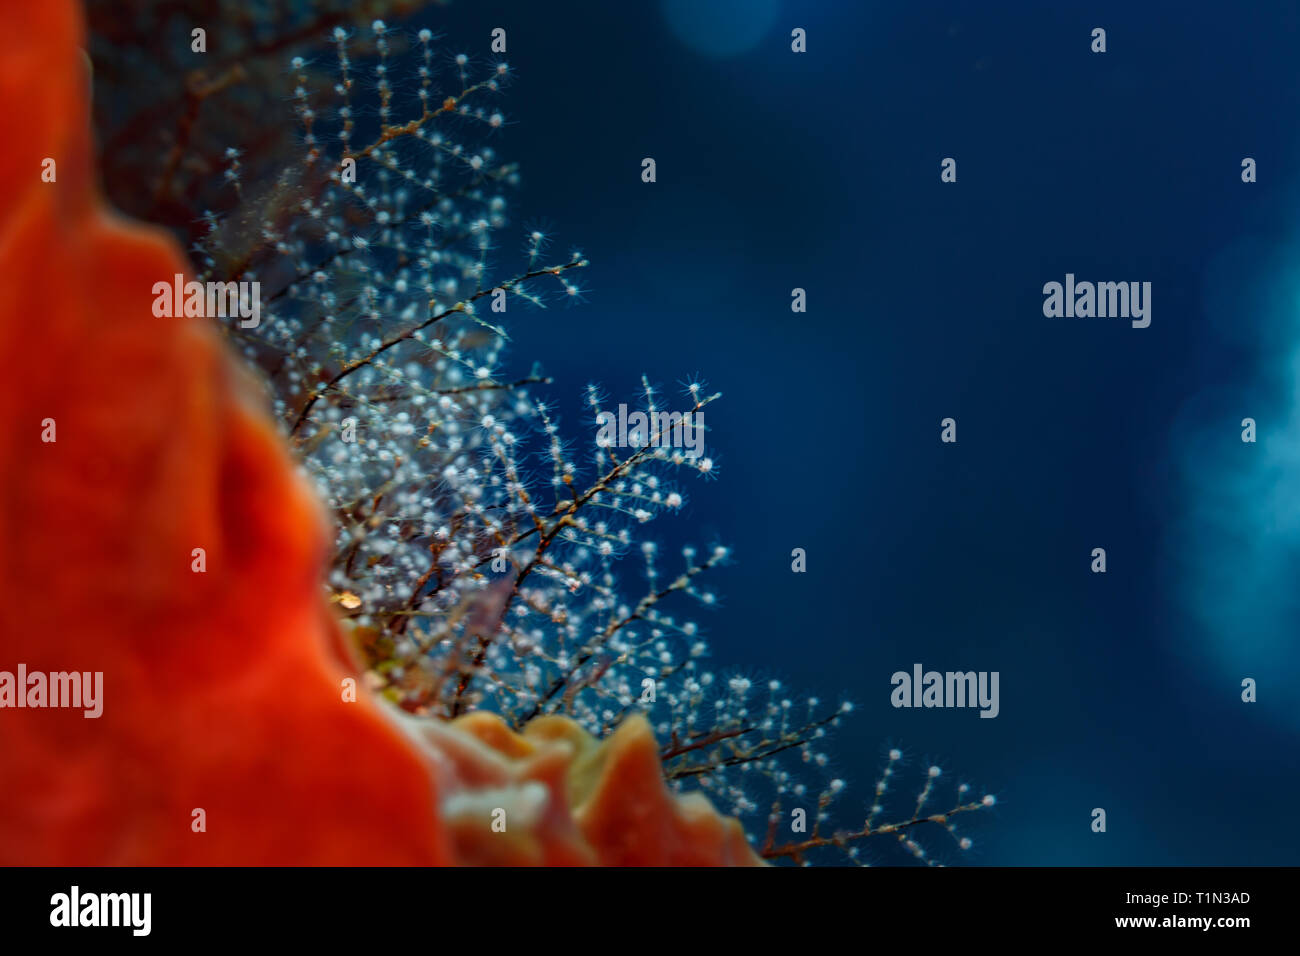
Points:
821	171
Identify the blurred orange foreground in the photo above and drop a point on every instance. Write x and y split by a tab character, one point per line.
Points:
220	691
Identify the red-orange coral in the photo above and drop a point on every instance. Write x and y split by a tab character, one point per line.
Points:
221	691
581	800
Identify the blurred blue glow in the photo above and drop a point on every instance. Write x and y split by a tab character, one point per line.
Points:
720	28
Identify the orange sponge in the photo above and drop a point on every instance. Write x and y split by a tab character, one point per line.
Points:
227	735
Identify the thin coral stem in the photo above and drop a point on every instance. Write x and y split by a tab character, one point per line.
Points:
797	850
